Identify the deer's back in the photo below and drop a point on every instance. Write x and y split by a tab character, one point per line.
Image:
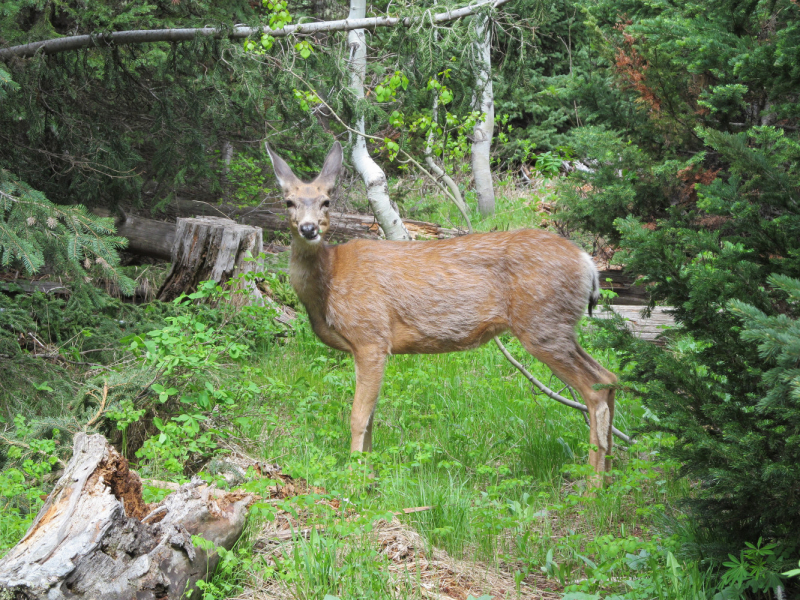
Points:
453	294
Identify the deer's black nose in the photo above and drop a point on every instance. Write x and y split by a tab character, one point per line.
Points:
309	231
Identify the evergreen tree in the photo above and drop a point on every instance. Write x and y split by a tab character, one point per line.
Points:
703	204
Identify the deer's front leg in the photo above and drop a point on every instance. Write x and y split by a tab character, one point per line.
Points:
370	365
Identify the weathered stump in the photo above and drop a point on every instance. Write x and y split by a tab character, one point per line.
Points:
212	248
95	537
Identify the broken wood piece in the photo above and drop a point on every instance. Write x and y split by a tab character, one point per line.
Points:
96	538
416	509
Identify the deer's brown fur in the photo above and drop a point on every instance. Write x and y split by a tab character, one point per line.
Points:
375	298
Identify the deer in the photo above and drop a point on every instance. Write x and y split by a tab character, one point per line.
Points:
375	298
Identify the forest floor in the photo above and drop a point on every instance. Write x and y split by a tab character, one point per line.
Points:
476	488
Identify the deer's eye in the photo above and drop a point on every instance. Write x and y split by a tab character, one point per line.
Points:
326	203
289	204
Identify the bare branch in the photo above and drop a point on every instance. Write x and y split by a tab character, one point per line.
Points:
551	394
148	36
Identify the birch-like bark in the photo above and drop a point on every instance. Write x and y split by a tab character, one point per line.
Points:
148	36
373	176
440	172
483	101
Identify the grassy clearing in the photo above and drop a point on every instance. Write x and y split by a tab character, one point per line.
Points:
503	470
502	474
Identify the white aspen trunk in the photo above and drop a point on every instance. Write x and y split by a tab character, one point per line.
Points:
483	101
373	176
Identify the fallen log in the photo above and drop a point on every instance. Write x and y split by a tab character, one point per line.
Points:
153	238
344	226
147	237
96	538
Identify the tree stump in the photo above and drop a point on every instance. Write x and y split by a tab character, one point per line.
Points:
212	248
96	538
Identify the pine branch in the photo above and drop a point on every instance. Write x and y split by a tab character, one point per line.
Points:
33	230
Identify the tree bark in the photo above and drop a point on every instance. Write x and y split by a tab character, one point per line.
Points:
147	237
373	176
483	101
96	538
149	36
212	248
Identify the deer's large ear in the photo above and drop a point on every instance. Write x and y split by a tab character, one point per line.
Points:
286	179
330	170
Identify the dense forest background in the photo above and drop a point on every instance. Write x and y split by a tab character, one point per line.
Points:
666	132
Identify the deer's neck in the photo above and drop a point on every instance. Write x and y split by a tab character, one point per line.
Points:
309	272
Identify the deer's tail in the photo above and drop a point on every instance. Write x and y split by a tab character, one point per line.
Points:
594	288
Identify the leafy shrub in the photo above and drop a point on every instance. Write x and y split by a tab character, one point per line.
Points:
22	487
196	402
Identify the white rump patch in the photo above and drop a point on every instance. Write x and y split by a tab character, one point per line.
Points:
593	291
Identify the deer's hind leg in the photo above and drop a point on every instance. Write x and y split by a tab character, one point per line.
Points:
573	365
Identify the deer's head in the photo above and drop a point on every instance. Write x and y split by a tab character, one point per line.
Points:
308	203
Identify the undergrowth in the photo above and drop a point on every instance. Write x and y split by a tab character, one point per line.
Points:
499	474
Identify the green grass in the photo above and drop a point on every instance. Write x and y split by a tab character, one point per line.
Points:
504	471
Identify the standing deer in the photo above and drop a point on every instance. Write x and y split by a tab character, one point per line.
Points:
376	298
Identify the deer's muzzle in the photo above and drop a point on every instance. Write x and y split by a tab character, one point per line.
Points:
309	231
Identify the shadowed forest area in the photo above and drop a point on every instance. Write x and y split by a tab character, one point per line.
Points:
660	136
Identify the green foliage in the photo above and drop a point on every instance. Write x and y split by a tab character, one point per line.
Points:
734	435
699	191
196	405
43	338
548	164
97	126
6	83
623	182
778	339
34	231
386	91
19	503
22	486
755	570
246	177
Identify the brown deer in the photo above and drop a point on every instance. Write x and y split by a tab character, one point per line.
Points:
376	298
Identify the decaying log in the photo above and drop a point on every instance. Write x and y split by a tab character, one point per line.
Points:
344	226
212	248
96	538
147	237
